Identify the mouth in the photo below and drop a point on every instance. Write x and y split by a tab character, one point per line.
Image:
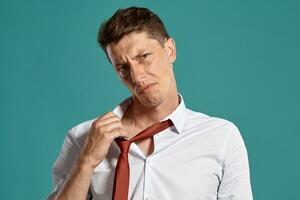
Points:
145	88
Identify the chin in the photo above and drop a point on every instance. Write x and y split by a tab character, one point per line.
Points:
150	100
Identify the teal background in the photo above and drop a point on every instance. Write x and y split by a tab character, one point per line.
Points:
237	60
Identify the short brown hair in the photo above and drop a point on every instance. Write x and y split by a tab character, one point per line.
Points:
132	19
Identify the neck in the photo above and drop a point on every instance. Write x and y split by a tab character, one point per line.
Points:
141	116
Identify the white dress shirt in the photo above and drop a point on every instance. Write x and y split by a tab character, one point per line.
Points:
199	158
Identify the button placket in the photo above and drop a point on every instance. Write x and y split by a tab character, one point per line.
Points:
146	192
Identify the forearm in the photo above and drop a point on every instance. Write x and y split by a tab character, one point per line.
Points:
102	133
77	183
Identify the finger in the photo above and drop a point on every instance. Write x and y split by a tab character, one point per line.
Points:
108	114
106	121
104	116
115	132
109	127
119	132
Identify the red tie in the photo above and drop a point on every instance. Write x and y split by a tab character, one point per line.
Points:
122	173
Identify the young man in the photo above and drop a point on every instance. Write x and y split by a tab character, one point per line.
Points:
195	157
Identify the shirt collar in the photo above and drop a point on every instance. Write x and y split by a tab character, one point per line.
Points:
178	116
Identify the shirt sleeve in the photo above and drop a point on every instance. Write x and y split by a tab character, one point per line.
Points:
235	183
63	164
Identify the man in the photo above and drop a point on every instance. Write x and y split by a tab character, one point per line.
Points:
197	157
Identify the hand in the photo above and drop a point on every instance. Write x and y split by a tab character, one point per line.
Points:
102	133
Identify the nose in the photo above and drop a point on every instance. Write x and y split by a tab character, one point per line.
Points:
137	72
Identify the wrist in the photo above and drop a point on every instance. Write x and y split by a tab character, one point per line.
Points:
86	162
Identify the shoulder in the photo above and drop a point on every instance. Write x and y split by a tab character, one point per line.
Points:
212	127
221	132
195	118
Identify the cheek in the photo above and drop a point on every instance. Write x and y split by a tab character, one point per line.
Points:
163	69
128	84
160	66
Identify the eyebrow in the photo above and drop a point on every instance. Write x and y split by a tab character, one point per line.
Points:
139	54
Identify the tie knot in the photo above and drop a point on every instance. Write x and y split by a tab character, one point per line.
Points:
123	144
146	133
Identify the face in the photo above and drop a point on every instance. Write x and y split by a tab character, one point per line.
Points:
145	67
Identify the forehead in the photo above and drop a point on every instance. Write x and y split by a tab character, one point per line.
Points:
131	44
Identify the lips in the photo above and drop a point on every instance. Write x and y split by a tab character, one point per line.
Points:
142	89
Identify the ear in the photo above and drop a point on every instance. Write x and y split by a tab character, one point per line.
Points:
170	47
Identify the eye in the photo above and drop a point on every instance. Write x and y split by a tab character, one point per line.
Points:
145	55
123	71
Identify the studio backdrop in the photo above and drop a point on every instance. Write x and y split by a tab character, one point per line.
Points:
237	60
